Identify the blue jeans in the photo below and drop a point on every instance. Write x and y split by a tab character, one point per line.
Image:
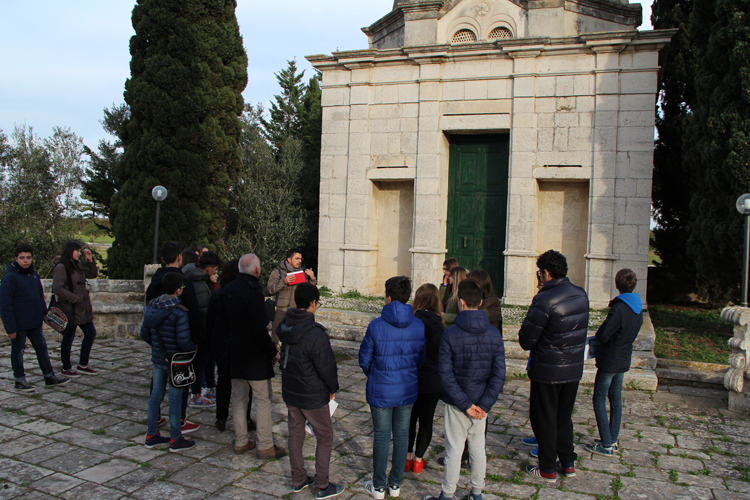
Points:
161	379
608	385
89	333
17	346
385	420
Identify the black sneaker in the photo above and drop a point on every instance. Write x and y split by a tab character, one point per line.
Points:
180	444
156	440
465	464
54	380
309	481
333	490
23	386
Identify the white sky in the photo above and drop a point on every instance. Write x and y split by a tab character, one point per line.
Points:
63	62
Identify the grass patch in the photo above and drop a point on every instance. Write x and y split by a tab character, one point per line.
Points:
690	333
99	432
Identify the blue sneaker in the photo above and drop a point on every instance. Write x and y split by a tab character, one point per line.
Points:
530	441
180	444
309	481
156	440
534	453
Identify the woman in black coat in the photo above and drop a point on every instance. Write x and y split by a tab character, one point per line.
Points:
428	310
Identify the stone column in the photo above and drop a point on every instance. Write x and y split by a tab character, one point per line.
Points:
734	380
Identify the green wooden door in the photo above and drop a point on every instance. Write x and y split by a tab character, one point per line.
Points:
477	203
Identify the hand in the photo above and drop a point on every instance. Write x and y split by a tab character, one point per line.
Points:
332	396
276	358
286	279
12	335
310	273
87	254
446	279
476	412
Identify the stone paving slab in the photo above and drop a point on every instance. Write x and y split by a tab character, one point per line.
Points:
85	440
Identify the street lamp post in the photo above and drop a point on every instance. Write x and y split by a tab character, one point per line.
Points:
743	207
160	194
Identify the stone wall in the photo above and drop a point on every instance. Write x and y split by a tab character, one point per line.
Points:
117	304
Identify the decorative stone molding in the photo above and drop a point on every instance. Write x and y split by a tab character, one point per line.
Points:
734	380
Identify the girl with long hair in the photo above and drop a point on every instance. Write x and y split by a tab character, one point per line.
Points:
458	274
492	306
428	310
69	284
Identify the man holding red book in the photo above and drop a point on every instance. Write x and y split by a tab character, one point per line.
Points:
283	282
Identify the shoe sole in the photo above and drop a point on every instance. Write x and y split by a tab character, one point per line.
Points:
294	490
394	495
600	453
27	391
71	376
530	445
177	450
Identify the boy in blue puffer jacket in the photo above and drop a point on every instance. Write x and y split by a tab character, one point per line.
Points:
616	336
391	354
167	314
471	365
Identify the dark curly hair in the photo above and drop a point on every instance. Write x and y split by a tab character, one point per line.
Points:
554	262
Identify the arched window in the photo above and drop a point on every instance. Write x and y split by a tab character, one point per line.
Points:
499	33
464	36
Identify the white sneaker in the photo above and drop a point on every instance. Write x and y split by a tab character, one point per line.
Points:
394	490
377	493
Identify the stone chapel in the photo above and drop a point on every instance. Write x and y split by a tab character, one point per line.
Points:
490	131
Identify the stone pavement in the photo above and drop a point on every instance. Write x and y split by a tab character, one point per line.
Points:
84	441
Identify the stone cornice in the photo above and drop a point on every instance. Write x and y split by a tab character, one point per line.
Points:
523	47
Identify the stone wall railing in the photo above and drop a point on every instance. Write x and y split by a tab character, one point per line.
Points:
734	380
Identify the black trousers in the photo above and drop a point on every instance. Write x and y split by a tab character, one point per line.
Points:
551	412
424	411
224	391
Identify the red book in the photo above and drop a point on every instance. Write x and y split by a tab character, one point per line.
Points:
296	278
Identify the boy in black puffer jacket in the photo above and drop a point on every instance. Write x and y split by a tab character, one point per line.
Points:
616	336
167	314
309	380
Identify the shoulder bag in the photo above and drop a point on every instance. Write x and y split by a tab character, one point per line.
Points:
181	370
57	317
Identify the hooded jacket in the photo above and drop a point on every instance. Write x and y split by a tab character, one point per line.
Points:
308	365
77	300
171	318
429	381
471	362
618	332
391	354
187	298
555	332
22	304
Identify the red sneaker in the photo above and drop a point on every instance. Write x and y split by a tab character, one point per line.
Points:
162	421
71	373
189	427
408	465
87	370
418	465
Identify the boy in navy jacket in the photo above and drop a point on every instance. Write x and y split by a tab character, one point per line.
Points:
23	308
167	315
616	336
471	365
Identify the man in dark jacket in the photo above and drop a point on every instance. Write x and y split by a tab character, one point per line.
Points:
22	308
471	364
555	332
616	336
241	324
309	380
171	257
165	324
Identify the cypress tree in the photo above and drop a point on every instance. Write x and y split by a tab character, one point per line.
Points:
719	142
286	112
188	69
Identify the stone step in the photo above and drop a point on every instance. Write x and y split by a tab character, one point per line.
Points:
693	373
637	379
